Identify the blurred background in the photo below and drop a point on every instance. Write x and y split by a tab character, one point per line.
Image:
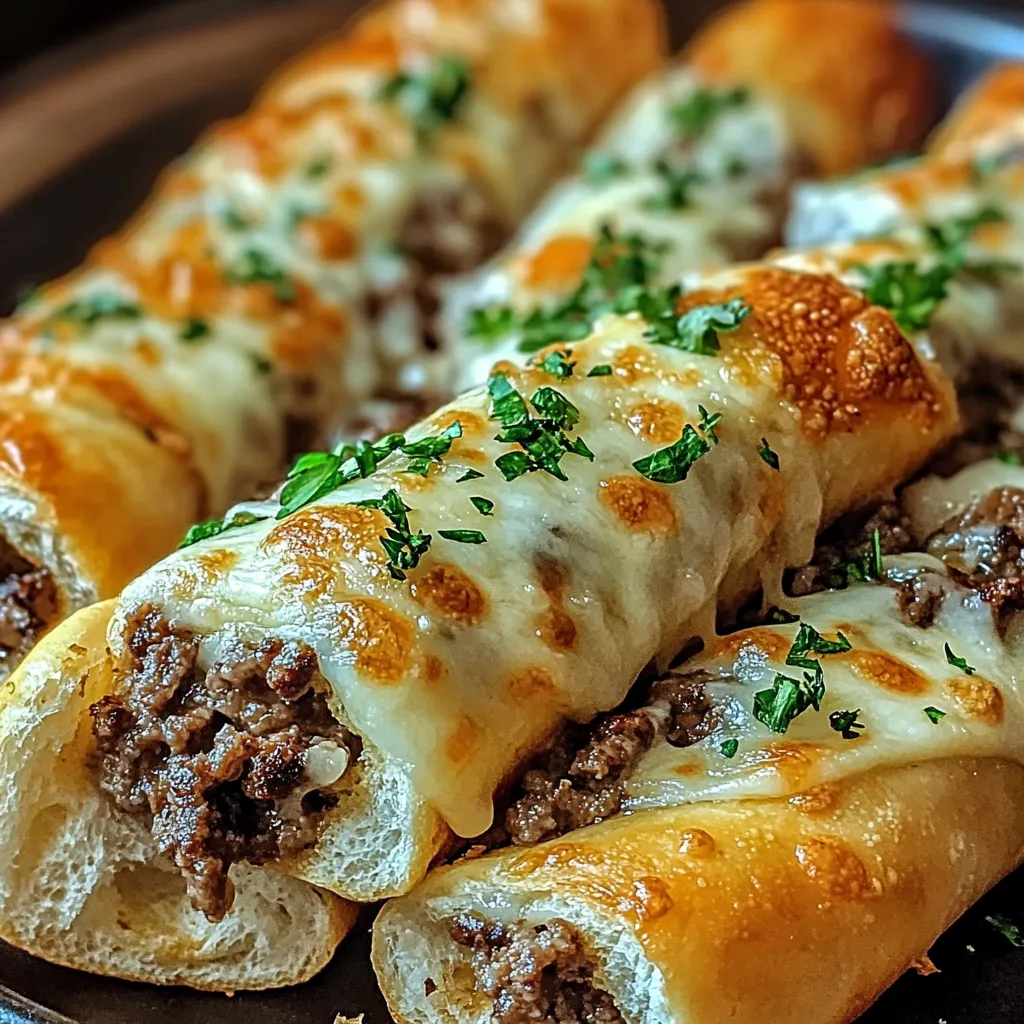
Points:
96	96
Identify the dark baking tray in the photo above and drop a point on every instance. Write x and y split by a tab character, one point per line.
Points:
982	975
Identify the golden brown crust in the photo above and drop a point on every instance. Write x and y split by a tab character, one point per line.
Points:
987	117
838	892
840	123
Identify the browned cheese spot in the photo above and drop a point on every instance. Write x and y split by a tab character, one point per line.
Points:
638	504
650	898
697	843
433	669
830	863
381	639
464	741
555	626
448	590
887	671
839	357
817	799
792	760
977	698
531	684
759	643
658	421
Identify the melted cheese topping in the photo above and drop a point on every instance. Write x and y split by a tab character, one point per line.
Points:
744	159
469	665
893	671
257	260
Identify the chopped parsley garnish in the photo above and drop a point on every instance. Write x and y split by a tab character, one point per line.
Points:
600	168
768	457
934	715
735	167
463	536
866	568
676	187
1006	928
708	423
787	699
960	663
671	465
255	266
780	617
845	723
483	505
213	527
194	330
604	370
470	474
234	219
260	364
695	115
403	547
697	330
984	167
790	697
619	269
557	364
430	97
912	295
728	748
102	306
1010	458
319	166
318	473
542	439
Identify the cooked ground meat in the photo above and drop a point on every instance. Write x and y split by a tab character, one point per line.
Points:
581	780
850	540
920	597
535	974
991	395
218	758
28	602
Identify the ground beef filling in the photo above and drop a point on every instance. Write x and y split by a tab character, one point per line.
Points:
582	780
535	974
29	602
224	761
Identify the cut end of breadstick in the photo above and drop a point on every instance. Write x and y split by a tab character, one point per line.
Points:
88	889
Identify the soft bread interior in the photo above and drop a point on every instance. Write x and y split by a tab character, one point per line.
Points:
840	889
81	883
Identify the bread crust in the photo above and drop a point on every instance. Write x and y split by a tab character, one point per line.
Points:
842	122
987	120
83	885
779	909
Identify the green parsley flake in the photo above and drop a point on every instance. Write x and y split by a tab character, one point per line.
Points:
604	370
695	115
1010	458
470	474
601	168
1006	928
403	547
213	527
934	715
557	364
671	465
708	423
319	166
950	237
101	306
463	536
194	330
432	97
234	220
676	187
845	723
780	617
489	323
866	568
728	748
260	364
255	266
697	330
767	455
483	505
912	295
543	439
960	663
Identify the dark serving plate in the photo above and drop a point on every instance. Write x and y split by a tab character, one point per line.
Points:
82	136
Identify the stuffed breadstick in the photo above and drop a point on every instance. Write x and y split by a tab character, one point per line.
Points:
697	165
252	303
823	796
456	594
85	886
